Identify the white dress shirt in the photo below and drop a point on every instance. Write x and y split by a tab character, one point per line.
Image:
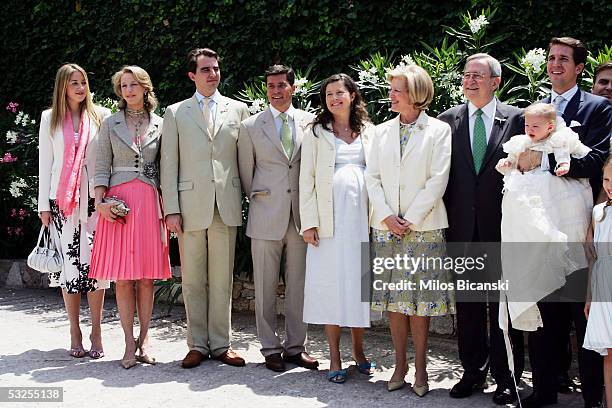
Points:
488	116
278	122
212	103
567	96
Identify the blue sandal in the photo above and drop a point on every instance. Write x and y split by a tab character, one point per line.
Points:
337	377
367	367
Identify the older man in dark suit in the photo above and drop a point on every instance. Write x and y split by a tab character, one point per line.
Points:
473	201
591	117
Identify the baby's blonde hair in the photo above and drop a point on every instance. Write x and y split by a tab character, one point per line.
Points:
544	110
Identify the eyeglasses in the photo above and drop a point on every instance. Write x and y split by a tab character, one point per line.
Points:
477	76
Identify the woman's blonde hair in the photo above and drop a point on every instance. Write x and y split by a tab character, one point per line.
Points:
59	105
142	77
418	83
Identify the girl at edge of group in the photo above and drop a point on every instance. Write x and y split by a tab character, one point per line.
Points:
598	308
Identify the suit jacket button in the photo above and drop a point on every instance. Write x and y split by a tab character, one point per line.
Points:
290	166
289	190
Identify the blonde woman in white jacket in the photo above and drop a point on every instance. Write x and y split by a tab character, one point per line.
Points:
334	215
67	146
406	178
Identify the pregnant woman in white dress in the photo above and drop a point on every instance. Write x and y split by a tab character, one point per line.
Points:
334	213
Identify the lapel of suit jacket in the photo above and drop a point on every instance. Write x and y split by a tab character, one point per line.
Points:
325	134
392	146
155	123
122	130
300	122
269	129
417	134
194	111
500	126
572	107
367	133
462	131
222	109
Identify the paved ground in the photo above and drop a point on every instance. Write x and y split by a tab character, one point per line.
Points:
33	345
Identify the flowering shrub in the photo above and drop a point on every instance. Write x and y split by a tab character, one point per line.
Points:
19	181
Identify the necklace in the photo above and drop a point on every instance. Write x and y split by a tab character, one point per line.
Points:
136	118
135	112
342	132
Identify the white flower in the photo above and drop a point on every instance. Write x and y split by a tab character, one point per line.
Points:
23	119
478	24
406	60
369	75
534	60
300	86
300	82
16	187
11	137
18	118
257	106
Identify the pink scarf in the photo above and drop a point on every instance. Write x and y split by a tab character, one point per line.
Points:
68	190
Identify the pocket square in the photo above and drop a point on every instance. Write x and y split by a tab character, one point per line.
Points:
574	123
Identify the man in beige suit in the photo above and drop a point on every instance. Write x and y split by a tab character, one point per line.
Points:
269	162
202	204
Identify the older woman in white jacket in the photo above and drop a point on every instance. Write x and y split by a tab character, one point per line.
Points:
334	214
67	152
406	178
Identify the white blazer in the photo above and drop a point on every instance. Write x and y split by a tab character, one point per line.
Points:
317	175
417	180
51	158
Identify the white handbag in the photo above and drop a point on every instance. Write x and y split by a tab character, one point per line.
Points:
45	258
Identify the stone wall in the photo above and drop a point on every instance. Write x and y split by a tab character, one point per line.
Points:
16	274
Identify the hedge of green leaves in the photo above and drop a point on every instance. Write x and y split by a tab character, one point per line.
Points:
318	38
102	35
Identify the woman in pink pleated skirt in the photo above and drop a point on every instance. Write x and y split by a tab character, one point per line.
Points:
131	250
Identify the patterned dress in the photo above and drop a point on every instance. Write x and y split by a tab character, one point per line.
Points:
76	239
421	289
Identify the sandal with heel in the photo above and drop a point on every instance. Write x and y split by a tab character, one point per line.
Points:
337	377
95	353
143	358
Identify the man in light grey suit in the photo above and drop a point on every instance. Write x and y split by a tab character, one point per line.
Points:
269	164
202	204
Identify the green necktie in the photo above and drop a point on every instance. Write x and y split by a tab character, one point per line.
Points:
286	137
479	144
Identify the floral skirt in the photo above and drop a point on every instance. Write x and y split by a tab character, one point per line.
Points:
76	238
417	286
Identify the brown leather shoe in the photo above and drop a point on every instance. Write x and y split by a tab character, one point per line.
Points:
275	362
193	359
303	360
230	357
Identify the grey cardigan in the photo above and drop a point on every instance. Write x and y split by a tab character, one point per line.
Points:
119	161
